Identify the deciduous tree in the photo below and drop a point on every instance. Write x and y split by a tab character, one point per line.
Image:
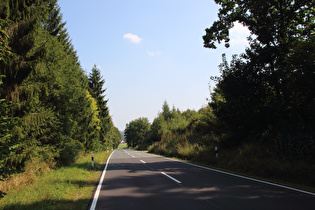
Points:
261	90
136	131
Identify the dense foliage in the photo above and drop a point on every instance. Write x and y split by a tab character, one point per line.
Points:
261	112
58	113
187	134
136	131
269	90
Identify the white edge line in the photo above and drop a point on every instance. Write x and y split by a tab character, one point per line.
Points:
175	180
248	178
98	189
142	161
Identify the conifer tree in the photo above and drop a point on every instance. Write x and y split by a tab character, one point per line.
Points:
7	122
96	83
166	112
7	143
45	79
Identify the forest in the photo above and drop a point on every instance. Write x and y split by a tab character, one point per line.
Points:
260	114
51	110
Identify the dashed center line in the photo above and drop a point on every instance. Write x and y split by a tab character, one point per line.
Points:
175	180
129	154
168	176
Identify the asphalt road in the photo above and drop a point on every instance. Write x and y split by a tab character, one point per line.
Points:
137	180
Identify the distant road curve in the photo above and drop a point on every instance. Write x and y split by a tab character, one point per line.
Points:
137	180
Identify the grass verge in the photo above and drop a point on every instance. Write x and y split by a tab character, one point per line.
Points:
248	160
68	187
122	146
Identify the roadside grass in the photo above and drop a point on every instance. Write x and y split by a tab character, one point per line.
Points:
248	160
122	146
68	187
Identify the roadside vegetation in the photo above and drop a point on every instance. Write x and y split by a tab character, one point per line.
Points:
260	114
69	187
122	146
51	111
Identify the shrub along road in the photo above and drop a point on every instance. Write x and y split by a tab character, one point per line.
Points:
137	180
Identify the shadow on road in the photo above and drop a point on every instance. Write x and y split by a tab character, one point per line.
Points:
135	185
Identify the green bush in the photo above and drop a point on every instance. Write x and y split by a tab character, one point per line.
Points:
70	151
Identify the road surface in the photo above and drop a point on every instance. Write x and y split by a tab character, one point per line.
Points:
137	180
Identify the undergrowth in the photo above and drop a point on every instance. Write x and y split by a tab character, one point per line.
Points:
68	187
249	159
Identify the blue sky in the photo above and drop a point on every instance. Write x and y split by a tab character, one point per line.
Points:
148	51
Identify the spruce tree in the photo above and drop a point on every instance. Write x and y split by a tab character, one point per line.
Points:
166	112
7	122
44	77
96	83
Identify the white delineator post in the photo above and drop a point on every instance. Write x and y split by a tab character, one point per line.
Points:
216	152
92	160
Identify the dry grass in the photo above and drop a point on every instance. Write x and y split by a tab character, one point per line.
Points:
68	187
33	170
249	159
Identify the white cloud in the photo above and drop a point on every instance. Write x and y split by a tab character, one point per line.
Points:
239	34
154	53
133	38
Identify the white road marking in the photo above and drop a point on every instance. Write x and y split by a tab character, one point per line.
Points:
175	180
244	177
142	161
129	154
97	192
